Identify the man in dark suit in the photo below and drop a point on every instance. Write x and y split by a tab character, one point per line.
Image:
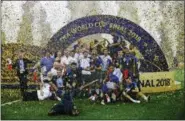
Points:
21	66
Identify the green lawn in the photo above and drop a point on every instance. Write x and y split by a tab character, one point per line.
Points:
162	106
169	105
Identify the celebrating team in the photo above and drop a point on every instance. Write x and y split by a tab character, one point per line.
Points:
113	69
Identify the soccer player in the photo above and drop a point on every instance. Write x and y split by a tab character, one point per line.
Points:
110	86
96	73
85	67
73	78
78	55
66	58
46	64
126	64
114	47
131	89
96	64
43	93
118	62
65	106
106	59
131	66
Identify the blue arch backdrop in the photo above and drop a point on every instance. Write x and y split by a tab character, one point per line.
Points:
153	57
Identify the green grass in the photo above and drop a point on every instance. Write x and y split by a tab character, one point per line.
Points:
163	106
8	95
179	76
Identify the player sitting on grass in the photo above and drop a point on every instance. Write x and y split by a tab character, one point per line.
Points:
65	106
131	90
110	87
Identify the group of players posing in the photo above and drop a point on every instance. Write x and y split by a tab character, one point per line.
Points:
105	77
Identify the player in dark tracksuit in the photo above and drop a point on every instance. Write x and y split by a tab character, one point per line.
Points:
72	78
65	106
96	73
95	65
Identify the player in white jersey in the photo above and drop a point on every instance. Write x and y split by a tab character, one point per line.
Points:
106	60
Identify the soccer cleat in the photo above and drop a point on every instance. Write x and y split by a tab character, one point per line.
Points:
108	98
137	101
113	97
59	99
75	112
92	98
102	102
148	99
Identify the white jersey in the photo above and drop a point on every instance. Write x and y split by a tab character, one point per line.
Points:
85	62
66	60
117	72
105	60
111	85
44	92
79	56
54	72
73	60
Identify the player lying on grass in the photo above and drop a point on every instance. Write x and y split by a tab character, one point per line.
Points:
47	91
65	106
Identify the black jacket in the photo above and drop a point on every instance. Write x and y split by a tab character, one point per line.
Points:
17	67
65	106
